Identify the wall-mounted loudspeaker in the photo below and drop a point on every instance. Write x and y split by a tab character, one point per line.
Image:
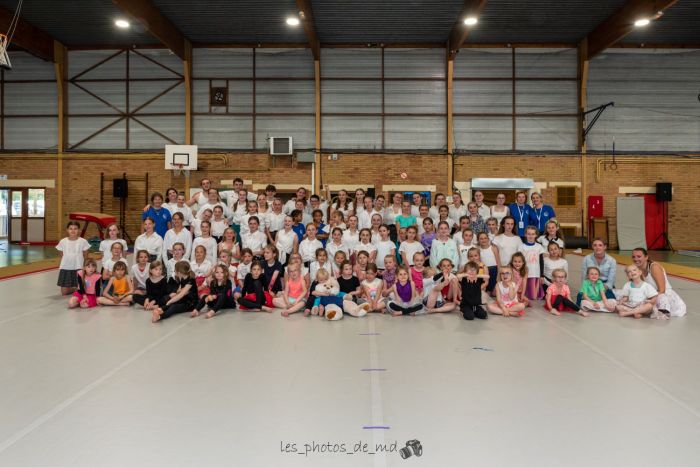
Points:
664	192
120	188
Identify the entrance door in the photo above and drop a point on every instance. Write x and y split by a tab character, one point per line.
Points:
27	207
654	222
4	214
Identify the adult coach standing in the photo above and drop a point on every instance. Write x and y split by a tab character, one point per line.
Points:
521	212
541	213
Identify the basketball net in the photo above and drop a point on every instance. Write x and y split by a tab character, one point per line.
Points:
4	58
179	170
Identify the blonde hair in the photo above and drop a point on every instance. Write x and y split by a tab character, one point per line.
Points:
322	275
559	271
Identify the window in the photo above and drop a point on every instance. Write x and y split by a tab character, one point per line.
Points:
566	196
36	202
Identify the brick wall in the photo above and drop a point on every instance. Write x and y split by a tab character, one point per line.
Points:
81	178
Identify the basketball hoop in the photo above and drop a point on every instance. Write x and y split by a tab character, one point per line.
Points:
180	170
4	58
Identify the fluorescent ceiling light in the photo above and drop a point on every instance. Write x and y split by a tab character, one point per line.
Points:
640	23
122	23
470	20
292	21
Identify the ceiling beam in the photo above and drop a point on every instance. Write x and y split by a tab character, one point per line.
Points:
306	14
460	30
28	37
146	13
621	23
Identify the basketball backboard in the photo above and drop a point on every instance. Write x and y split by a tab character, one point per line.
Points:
180	157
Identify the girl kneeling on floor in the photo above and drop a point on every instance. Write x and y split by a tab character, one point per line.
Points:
444	294
88	286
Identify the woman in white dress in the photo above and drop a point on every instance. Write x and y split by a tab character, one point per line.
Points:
342	204
500	210
668	301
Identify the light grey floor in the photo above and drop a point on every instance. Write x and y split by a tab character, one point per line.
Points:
107	388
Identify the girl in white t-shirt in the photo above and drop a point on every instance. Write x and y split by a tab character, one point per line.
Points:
366	244
533	253
207	241
638	296
113	236
410	246
507	240
335	244
553	260
74	250
385	247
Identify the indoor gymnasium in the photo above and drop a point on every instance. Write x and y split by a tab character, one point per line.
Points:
349	233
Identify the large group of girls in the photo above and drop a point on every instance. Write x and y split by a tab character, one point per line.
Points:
235	249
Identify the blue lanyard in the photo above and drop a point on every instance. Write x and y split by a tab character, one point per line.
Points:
521	212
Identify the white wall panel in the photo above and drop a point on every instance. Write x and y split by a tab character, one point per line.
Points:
223	132
351	96
483	134
26	66
351	63
414	63
140	92
546	63
222	63
285	96
656	104
141	137
482	97
113	138
546	96
284	63
301	129
31	133
546	134
80	102
414	97
351	132
484	63
141	67
415	132
31	99
80	60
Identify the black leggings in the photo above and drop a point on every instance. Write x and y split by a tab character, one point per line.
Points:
176	308
473	311
406	310
222	301
259	298
141	300
561	300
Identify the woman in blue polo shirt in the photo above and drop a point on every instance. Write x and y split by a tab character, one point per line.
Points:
159	214
521	212
541	213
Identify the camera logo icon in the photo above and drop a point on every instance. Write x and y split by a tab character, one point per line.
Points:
413	448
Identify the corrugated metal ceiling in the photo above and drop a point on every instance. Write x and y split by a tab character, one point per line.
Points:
239	21
540	21
90	22
80	22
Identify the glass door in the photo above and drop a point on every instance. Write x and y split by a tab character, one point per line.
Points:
26	214
4	214
17	209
